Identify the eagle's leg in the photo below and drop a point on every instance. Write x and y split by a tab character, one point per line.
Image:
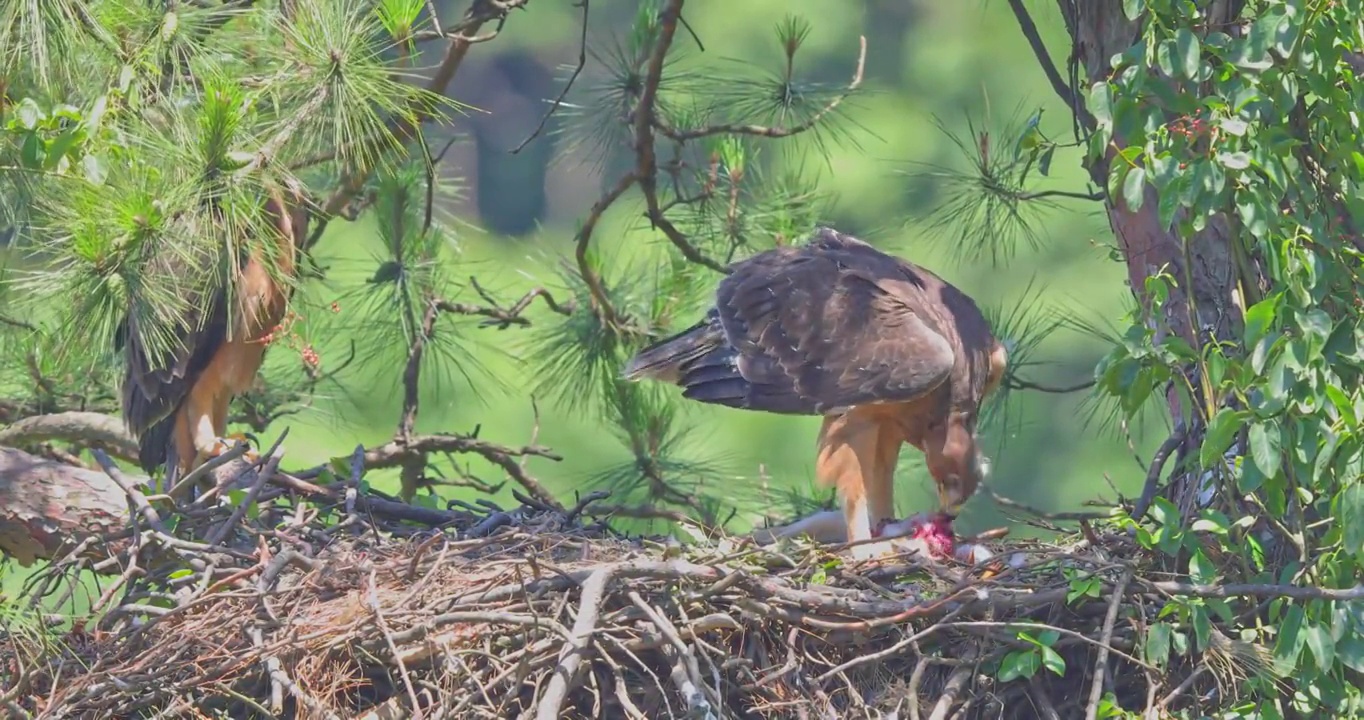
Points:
857	456
208	415
224	441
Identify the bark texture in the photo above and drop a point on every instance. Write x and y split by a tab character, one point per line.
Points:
47	507
1203	307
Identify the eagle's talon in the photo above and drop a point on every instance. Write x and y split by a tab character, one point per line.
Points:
874	551
224	444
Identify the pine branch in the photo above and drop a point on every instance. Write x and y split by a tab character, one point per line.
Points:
774	131
646	167
479	13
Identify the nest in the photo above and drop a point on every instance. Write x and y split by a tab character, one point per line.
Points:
546	617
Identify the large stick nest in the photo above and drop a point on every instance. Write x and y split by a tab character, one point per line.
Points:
546	617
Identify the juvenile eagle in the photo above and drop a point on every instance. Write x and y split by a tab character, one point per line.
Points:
176	405
886	351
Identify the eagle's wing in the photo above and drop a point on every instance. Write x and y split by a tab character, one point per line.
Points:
155	387
808	330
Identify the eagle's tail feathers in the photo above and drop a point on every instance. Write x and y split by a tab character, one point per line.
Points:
155	444
665	359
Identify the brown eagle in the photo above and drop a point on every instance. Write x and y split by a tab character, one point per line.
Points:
886	351
176	405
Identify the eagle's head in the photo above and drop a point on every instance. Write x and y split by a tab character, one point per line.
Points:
959	468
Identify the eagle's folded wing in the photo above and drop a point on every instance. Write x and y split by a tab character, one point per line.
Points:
814	329
155	387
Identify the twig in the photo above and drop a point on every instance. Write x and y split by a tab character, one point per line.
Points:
1042	514
135	497
571	657
1016	383
1045	707
1096	688
646	165
373	596
1148	491
262	477
1182	687
559	101
1235	590
238	450
1062	89
596	289
955	682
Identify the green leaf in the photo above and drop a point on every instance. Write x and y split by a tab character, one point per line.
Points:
1053	661
1322	646
1260	317
1234	160
1266	446
1202	570
1157	649
1290	642
1233	126
1189	52
1044	161
1202	625
1221	431
1134	188
1019	664
29	114
1213	521
31	152
1350	650
1132	9
1350	514
1101	103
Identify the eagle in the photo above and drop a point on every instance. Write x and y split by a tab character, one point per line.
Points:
176	403
887	352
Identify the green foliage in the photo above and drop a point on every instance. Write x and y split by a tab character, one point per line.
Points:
148	186
1250	139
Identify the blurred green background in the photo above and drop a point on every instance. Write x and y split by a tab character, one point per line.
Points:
520	212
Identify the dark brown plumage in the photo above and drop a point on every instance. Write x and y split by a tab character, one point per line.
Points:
176	406
886	351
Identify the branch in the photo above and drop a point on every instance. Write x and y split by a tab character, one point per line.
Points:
596	290
776	131
559	101
35	525
1245	590
1059	85
479	13
75	426
646	167
1016	383
1094	196
397	452
504	317
1148	491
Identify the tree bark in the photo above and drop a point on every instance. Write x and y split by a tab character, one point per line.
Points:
1205	306
47	508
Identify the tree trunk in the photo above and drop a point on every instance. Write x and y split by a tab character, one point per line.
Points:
1205	306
